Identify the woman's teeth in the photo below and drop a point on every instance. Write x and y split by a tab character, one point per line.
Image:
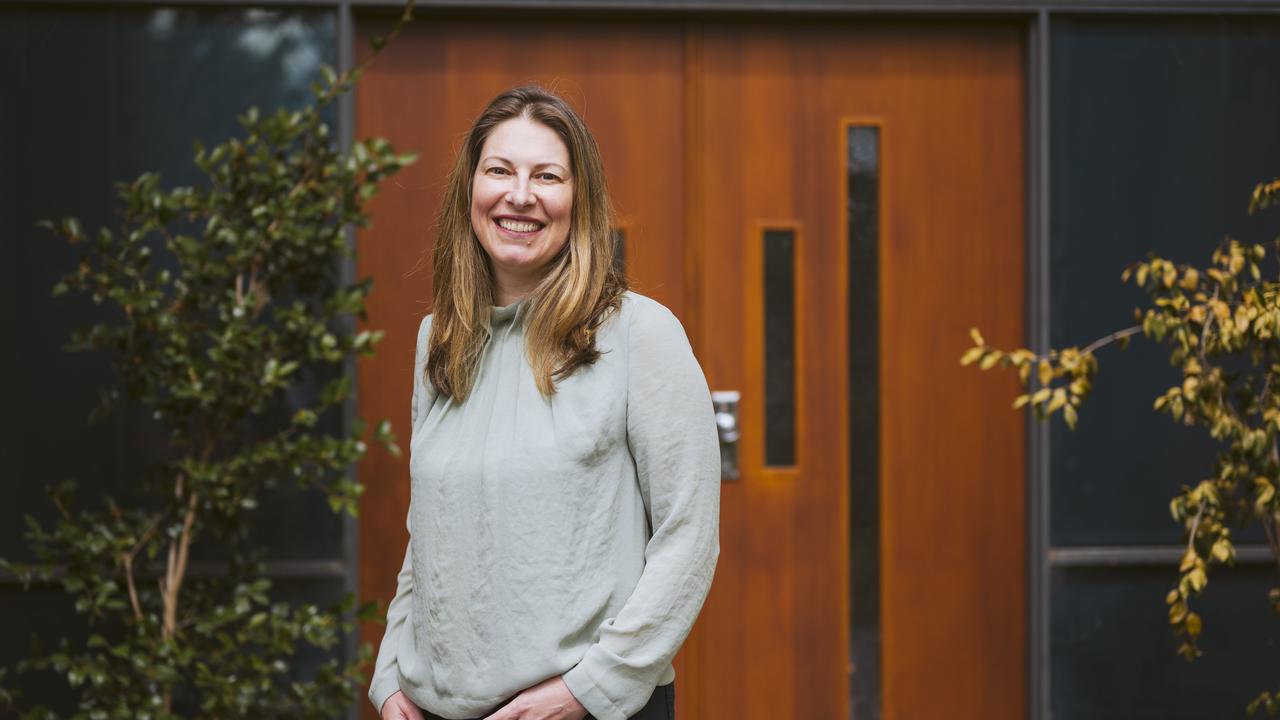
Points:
517	225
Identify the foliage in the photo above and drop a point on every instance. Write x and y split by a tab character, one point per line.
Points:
226	308
1222	327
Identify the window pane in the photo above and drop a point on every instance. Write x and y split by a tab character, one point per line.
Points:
863	220
90	97
779	348
1160	129
1114	657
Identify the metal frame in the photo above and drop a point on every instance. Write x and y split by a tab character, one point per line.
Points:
1037	17
1027	8
350	541
1038	307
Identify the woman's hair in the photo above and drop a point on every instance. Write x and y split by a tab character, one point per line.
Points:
579	288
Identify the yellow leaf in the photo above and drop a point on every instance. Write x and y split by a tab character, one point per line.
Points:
1169	276
1020	401
1069	414
1194	625
1171	598
1041	395
1198	580
1024	372
977	337
1190	279
1189	560
1222	550
1045	372
1142	276
990	360
971	356
1059	399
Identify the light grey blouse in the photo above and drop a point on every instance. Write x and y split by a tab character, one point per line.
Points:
571	535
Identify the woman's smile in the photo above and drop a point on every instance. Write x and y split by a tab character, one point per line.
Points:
519	227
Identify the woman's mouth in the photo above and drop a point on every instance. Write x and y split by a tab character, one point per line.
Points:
518	228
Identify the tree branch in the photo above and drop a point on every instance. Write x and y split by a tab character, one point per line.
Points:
1118	335
126	560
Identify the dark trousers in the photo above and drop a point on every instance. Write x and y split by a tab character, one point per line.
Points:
661	706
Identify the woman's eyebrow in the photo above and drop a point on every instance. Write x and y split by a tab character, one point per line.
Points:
548	163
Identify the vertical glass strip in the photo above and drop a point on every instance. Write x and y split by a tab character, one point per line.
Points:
779	347
862	166
620	251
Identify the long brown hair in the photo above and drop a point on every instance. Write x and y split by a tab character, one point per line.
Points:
580	286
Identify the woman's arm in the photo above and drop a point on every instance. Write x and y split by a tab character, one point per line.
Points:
386	680
671	434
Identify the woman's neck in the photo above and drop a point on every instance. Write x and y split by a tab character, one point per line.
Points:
508	290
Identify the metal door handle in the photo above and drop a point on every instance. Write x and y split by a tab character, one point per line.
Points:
725	403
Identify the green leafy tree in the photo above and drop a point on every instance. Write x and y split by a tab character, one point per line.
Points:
1221	325
225	297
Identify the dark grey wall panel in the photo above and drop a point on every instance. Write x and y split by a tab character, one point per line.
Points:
1114	657
90	96
1161	128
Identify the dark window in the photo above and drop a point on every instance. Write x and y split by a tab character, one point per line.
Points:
862	165
1160	130
779	348
89	97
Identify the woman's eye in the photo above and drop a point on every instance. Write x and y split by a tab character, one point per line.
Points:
497	171
549	177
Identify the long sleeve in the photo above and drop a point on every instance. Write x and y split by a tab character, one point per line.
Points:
386	670
385	675
671	435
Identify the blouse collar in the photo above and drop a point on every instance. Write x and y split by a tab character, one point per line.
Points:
502	315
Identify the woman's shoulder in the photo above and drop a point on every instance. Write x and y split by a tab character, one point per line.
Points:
424	338
646	318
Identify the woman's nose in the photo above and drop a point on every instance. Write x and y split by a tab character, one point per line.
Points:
520	194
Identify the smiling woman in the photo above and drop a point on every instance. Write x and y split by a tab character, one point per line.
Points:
565	470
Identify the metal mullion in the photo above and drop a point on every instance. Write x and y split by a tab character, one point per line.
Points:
1038	318
350	541
276	570
730	7
1145	555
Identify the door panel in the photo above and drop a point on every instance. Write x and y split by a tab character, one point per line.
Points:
715	134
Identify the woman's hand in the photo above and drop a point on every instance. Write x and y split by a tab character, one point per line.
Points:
399	707
548	700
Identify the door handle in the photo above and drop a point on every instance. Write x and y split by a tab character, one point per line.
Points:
725	403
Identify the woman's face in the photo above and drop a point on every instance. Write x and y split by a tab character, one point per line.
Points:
521	202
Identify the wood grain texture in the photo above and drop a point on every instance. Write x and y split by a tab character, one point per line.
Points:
950	99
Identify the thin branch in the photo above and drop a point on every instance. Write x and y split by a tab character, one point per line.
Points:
1210	318
1118	335
126	560
1195	525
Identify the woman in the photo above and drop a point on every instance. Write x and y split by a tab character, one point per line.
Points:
564	464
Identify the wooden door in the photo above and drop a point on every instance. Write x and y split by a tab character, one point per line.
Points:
716	136
774	105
